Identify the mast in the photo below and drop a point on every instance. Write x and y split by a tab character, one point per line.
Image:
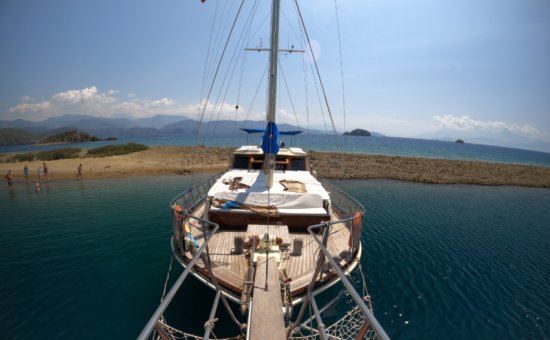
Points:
270	141
273	61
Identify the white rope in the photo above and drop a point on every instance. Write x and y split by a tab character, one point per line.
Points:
167	278
210	324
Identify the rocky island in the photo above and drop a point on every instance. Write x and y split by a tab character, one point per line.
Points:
73	136
358	132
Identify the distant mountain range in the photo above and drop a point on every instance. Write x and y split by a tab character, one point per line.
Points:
102	127
22	131
504	138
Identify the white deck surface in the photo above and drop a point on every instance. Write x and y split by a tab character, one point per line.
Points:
258	194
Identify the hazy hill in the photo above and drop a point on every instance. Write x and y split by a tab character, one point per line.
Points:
156	126
11	136
158	121
87	122
504	138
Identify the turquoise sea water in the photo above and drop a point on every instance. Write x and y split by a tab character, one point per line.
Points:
87	259
391	146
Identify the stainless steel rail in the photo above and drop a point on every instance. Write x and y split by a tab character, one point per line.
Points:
370	318
170	295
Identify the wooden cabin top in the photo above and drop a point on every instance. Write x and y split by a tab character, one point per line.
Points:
256	150
252	158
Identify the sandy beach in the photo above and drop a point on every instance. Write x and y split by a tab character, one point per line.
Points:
187	160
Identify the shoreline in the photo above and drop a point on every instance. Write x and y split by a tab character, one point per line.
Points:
188	160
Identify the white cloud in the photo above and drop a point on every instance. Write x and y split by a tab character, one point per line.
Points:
30	107
77	96
162	102
391	124
91	101
224	111
468	123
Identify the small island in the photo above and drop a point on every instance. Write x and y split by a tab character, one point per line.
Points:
74	136
459	141
358	132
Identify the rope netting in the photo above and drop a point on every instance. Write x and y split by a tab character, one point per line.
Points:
348	327
165	331
351	324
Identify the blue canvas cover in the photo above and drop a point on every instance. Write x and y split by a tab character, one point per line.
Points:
270	141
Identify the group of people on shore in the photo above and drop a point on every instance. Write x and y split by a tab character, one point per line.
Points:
40	172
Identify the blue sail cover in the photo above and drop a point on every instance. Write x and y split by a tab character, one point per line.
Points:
286	133
290	133
270	141
253	130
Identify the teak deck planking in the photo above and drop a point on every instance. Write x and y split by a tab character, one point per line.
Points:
267	319
230	268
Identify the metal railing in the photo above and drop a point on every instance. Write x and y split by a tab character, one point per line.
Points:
184	204
170	295
370	321
190	198
207	229
342	203
349	211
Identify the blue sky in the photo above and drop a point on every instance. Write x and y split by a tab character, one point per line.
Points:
410	68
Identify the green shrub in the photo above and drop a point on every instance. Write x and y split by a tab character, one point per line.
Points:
64	153
114	150
23	157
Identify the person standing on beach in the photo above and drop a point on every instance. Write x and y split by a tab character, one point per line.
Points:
26	172
9	178
46	171
79	172
39	173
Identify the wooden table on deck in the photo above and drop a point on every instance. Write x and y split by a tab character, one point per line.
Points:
273	230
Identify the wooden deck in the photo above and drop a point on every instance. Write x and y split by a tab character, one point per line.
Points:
230	267
266	315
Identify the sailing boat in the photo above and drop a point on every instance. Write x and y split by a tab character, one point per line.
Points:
270	237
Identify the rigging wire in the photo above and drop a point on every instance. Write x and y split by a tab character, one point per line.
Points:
306	92
215	106
290	26
214	50
258	87
232	65
341	66
237	106
207	60
319	99
217	70
306	81
317	71
218	26
289	95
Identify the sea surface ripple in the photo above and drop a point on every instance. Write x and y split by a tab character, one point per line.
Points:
88	259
